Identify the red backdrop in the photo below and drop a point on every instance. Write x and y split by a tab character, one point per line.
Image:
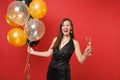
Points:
99	19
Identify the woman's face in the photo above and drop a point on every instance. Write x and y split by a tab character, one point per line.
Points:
66	28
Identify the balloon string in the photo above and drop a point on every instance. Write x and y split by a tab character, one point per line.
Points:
27	67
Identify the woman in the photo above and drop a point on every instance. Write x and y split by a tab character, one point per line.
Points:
62	48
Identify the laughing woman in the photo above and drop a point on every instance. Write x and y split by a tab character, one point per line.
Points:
61	49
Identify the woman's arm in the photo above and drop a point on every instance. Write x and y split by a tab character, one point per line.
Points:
44	53
81	57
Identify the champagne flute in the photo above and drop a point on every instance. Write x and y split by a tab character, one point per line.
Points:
89	41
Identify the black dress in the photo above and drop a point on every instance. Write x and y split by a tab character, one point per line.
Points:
59	68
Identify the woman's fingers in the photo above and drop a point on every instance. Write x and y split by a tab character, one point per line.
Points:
88	49
30	49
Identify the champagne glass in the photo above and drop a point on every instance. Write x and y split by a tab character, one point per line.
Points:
89	41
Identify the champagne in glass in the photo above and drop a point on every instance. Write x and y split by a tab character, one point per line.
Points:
88	40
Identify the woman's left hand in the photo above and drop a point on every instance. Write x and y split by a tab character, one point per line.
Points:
88	50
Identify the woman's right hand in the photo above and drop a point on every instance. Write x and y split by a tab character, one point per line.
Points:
30	50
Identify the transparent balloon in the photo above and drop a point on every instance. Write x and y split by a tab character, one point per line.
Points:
18	12
34	29
27	2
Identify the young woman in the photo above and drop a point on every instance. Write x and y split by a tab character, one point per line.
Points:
62	48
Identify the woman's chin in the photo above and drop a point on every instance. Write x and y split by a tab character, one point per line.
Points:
66	34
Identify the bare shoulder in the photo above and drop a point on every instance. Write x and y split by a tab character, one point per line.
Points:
54	39
75	42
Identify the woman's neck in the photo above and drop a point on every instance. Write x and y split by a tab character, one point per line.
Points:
66	37
64	41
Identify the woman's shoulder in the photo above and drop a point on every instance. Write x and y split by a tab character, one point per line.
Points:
75	41
54	39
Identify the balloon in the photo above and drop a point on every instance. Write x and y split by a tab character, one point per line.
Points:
34	29
16	37
38	9
27	2
11	23
32	43
18	12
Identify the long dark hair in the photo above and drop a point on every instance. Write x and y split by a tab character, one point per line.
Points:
60	34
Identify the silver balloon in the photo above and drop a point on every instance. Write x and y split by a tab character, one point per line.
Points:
18	12
34	29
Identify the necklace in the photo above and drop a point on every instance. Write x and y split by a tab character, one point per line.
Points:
63	43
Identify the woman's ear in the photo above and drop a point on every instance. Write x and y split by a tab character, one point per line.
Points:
70	31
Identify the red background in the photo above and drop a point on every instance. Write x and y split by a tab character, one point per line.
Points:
99	19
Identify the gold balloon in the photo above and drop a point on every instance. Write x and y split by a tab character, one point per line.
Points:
11	23
38	9
16	37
